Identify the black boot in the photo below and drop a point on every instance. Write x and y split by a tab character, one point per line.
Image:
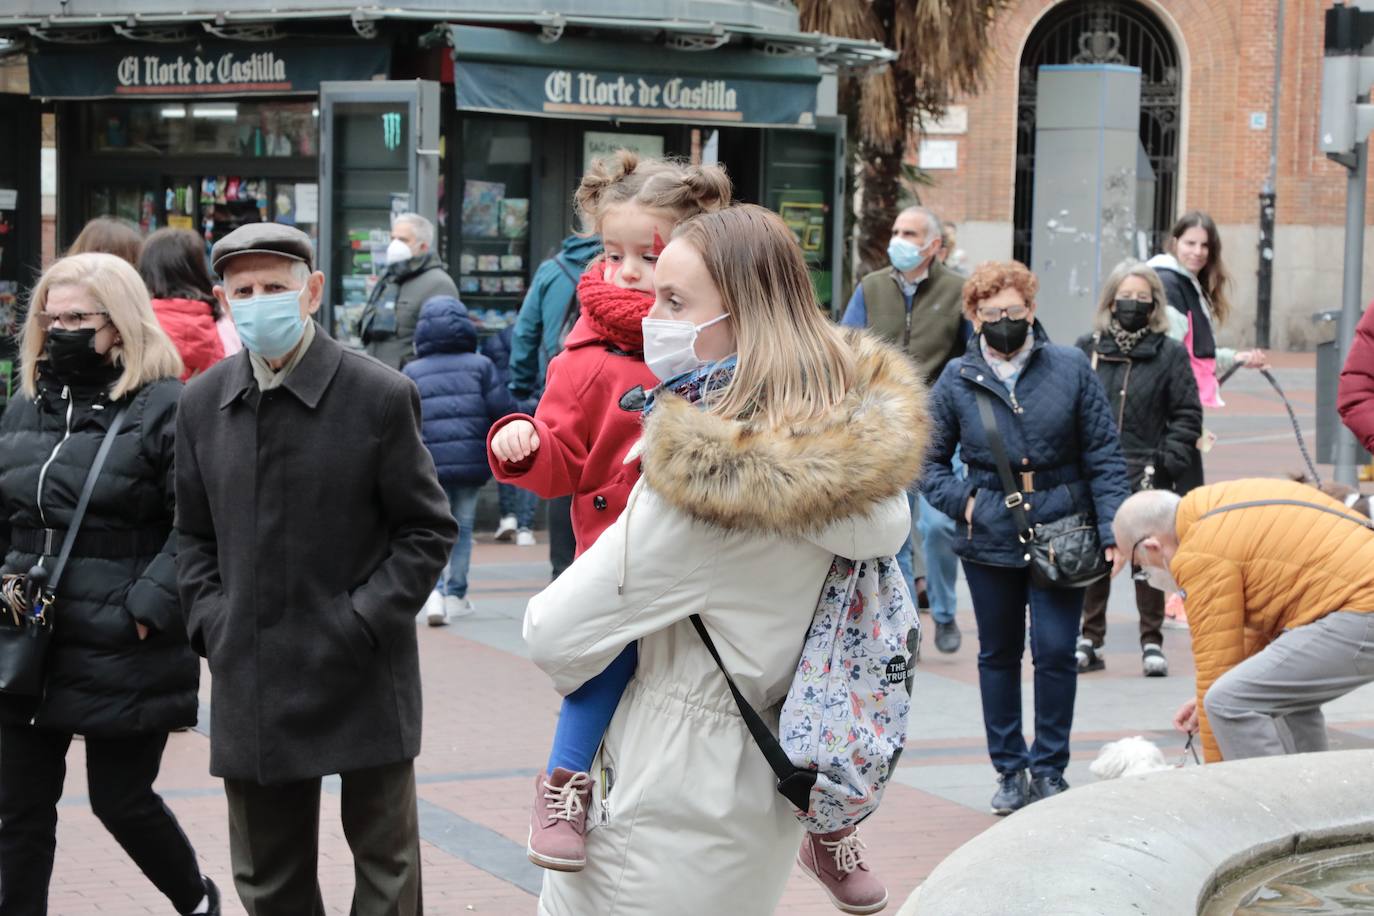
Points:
1013	793
1045	786
212	892
947	637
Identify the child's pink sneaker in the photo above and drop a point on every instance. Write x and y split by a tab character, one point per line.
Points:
836	862
559	819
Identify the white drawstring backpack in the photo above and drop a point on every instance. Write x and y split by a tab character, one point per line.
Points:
843	723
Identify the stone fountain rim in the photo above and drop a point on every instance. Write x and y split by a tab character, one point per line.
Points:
1153	844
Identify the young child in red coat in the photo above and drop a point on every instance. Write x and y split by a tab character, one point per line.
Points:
585	424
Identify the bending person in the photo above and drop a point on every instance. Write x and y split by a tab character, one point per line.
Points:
1280	586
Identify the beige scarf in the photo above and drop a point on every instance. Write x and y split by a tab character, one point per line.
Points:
269	378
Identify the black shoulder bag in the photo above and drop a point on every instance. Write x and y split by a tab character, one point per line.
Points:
26	601
1064	553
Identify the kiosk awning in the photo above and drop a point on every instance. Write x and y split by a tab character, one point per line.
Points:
500	70
202	69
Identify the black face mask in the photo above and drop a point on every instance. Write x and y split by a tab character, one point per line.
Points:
1133	314
72	354
1006	335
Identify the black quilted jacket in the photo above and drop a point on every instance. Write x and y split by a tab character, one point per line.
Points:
1057	426
1154	402
101	679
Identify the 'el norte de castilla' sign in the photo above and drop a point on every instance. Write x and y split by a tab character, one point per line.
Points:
205	68
152	71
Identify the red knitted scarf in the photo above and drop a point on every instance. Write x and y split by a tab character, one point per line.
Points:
612	312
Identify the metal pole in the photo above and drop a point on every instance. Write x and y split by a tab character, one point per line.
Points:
1264	295
1347	449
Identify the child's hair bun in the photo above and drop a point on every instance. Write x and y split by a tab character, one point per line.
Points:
669	185
709	186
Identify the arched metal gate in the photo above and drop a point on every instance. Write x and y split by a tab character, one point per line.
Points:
1104	32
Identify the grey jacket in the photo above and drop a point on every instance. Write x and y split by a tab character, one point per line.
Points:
311	529
410	283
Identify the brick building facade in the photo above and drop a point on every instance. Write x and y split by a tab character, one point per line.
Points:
1214	151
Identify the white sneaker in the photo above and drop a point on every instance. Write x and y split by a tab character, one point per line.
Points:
524	538
455	607
1153	663
506	529
434	610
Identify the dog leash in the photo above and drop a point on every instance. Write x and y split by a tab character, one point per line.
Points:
1187	748
1292	418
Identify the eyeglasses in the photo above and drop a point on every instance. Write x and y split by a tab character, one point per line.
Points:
70	321
1138	573
1015	313
1146	298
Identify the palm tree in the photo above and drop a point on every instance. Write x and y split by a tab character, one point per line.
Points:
942	52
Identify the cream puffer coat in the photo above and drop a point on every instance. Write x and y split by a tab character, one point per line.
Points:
738	525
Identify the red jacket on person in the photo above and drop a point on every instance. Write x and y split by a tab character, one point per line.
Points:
1355	395
191	325
587	420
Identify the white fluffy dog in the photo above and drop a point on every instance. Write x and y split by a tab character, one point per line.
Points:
1128	757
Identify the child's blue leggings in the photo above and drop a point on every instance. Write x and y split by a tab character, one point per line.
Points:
587	713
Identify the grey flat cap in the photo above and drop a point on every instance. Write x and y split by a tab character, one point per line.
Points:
263	238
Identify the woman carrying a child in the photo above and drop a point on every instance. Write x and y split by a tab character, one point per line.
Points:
774	443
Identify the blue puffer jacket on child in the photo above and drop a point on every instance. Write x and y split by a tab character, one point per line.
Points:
461	393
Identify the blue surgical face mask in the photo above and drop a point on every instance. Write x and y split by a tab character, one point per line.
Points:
270	325
905	255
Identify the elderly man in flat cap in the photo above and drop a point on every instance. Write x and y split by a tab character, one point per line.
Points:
312	528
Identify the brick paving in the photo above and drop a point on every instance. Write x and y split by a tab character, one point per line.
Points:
489	717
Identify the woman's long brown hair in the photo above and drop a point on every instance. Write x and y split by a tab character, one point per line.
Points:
1214	278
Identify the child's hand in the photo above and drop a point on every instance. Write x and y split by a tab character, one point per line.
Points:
516	441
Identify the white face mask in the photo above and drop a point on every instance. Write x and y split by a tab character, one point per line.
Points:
397	252
670	347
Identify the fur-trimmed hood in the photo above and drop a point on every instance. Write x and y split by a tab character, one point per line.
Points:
803	478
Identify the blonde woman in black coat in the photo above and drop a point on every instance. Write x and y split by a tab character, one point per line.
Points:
1154	401
120	671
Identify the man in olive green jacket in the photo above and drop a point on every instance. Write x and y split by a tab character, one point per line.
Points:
916	302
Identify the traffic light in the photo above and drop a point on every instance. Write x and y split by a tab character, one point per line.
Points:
1347	117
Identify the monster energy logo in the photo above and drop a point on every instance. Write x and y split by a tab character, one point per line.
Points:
391	129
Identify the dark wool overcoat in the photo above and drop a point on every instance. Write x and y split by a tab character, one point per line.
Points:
312	528
100	679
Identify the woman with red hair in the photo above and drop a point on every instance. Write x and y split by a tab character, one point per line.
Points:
1056	426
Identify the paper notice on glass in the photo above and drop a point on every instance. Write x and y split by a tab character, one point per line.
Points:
710	150
9	198
307	203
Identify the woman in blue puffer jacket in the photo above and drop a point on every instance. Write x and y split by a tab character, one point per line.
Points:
461	396
1057	428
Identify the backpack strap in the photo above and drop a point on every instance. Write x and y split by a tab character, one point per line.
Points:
573	309
1286	502
1014	500
794	783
